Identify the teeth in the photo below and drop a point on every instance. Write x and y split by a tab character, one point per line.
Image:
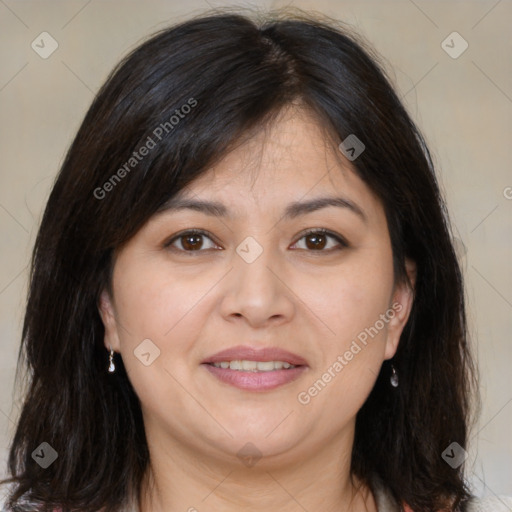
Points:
254	366
247	365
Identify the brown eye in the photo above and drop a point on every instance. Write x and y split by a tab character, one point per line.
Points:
190	241
318	240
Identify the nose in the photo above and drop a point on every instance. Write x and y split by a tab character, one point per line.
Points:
257	291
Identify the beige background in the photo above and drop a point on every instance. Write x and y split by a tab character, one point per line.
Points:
463	105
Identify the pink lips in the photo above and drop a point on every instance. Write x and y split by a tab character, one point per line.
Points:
256	381
256	354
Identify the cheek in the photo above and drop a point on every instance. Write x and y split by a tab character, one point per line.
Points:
153	300
351	304
169	307
353	298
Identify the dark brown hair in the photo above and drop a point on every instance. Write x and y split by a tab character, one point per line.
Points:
234	74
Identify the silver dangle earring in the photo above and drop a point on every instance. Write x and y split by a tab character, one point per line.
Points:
394	377
111	366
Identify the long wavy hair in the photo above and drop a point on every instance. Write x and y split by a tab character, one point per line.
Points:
234	72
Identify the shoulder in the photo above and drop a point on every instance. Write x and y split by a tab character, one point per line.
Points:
491	504
23	504
386	503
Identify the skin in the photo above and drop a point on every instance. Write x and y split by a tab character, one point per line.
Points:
313	302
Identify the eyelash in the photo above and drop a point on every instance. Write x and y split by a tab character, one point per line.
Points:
317	231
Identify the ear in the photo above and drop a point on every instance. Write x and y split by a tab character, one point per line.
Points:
401	304
108	317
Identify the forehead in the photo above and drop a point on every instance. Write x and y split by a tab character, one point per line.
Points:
292	157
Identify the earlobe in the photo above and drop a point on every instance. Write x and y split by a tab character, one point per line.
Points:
107	314
401	304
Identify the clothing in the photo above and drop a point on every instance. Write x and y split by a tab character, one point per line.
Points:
384	501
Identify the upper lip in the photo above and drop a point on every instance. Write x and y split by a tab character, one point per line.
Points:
244	352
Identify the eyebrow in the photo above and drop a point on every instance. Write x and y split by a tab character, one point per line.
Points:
292	211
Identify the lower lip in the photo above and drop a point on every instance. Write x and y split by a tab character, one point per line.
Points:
255	381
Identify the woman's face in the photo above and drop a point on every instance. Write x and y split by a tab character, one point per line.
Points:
256	280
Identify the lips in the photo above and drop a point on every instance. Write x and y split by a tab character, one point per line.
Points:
242	352
257	381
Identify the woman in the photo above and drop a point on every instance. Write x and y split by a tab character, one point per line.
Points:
244	293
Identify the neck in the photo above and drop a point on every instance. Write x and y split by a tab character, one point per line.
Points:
179	480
